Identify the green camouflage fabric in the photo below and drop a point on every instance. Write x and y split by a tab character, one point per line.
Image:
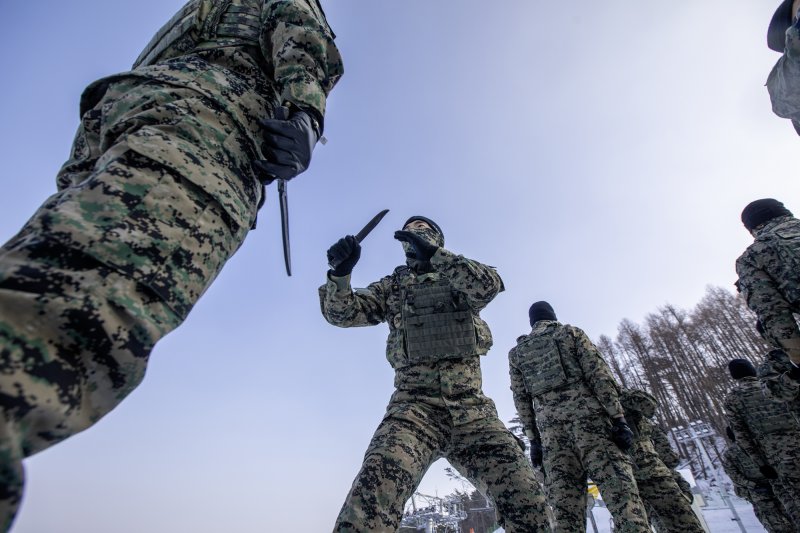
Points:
667	506
776	383
437	410
768	277
670	458
157	195
783	82
574	423
750	484
747	410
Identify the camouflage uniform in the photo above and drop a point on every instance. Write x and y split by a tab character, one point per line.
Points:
783	82
768	434
671	459
573	419
769	280
159	192
438	408
749	483
667	506
776	383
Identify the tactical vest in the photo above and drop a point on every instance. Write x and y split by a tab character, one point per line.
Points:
539	359
437	322
785	238
210	24
763	416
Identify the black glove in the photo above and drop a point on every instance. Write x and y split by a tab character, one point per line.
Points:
423	250
768	472
537	454
763	489
288	144
621	434
794	371
344	254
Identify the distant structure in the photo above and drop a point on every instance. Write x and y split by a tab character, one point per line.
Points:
431	513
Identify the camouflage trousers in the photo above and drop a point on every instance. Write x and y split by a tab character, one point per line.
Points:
110	264
770	511
580	448
410	438
667	506
783	454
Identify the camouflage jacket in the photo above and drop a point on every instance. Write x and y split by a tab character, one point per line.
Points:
768	277
454	384
776	383
783	82
744	473
594	392
295	60
663	447
753	418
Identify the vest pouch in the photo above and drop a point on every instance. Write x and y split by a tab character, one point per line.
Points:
437	324
541	365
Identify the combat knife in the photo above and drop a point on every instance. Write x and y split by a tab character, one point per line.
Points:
361	235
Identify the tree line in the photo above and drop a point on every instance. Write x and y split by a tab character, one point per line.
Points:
681	357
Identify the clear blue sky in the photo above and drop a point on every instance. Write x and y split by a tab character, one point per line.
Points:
597	155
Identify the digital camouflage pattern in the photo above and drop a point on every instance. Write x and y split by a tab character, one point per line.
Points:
667	505
438	408
574	424
158	193
773	373
670	458
768	434
783	82
768	280
749	483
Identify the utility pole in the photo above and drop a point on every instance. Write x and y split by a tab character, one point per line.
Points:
691	433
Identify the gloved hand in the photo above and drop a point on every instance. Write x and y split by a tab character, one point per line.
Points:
422	248
794	371
537	454
288	143
763	489
768	472
345	254
621	434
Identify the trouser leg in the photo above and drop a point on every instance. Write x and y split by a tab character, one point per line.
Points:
771	513
486	452
612	470
565	480
405	444
670	509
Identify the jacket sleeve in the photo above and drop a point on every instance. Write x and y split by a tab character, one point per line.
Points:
737	477
300	44
663	448
761	293
346	308
523	402
480	283
734	414
597	373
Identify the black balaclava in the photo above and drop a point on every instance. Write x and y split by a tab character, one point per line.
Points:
541	311
760	211
434	236
741	368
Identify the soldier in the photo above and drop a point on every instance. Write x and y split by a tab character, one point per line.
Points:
749	483
670	458
164	181
766	431
438	409
667	506
768	272
783	83
568	403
